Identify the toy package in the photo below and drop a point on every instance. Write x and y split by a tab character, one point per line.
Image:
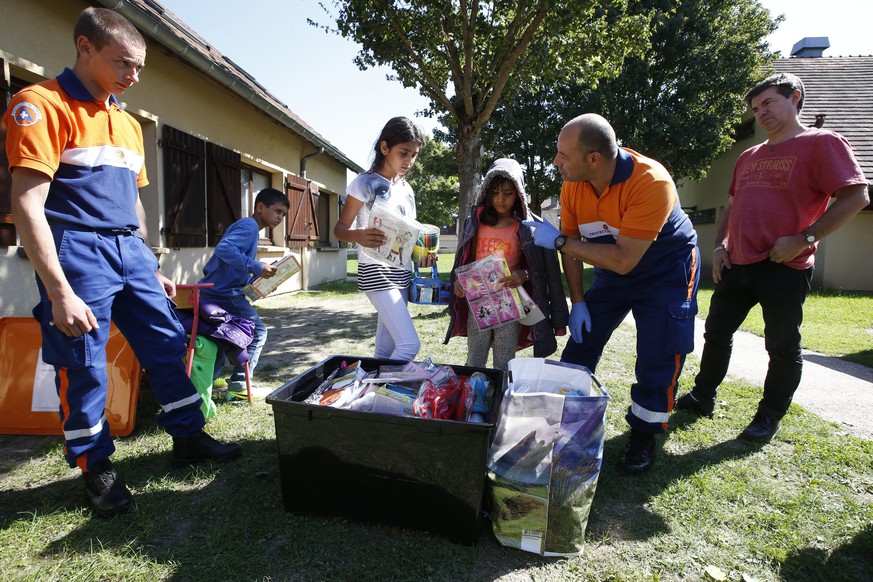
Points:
260	287
401	232
490	302
423	389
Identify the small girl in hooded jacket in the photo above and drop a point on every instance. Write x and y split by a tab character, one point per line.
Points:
494	227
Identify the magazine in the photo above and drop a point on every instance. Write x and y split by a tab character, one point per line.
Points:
490	303
402	234
286	267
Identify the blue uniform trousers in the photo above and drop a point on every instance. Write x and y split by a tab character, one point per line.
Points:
113	273
664	303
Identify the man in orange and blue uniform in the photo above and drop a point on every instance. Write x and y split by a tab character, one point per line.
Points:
620	212
77	162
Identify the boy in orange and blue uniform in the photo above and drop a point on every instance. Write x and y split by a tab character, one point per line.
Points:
620	212
77	161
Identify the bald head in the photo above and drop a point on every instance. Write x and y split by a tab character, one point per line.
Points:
594	134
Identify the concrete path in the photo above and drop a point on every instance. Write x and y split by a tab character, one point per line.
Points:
836	390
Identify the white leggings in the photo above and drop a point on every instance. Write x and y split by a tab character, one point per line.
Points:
396	337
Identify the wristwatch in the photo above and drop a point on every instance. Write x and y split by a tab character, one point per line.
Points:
560	241
809	237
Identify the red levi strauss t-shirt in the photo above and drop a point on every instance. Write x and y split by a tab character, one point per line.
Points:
780	190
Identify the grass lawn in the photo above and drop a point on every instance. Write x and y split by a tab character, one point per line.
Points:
797	509
836	323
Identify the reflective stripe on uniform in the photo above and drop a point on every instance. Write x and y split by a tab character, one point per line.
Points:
180	403
85	432
105	155
648	415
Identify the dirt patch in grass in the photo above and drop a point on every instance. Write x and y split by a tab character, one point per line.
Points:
305	329
20	449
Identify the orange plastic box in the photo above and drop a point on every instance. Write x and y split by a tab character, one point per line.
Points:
28	398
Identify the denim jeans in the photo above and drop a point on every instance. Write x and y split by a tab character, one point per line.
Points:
781	291
240	306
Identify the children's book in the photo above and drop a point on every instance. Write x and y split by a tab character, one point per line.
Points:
490	303
532	313
402	234
286	267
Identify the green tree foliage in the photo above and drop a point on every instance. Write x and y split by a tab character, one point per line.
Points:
527	129
466	56
677	103
435	181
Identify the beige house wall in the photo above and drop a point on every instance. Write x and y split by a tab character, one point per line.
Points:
844	258
837	265
36	41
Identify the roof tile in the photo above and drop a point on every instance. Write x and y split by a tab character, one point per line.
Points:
841	88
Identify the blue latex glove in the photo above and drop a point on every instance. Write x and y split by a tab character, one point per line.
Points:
579	318
544	233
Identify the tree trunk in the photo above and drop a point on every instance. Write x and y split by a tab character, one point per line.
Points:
468	153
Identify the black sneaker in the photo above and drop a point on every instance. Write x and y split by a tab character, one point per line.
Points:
700	407
639	454
202	447
106	491
762	428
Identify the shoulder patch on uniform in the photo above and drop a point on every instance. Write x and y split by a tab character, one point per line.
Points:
25	114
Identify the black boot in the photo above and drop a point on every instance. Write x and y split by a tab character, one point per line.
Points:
639	454
762	428
202	447
106	491
697	405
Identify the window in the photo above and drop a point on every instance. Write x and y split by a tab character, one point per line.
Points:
744	130
702	216
8	87
324	221
252	181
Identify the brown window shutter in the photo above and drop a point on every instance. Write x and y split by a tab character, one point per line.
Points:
184	188
302	223
314	197
223	191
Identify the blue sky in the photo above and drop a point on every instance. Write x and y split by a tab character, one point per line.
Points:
313	73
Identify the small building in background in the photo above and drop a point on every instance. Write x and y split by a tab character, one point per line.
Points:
213	136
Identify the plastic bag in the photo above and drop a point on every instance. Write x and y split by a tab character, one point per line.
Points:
438	400
546	457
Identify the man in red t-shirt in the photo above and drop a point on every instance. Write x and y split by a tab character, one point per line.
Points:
776	212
